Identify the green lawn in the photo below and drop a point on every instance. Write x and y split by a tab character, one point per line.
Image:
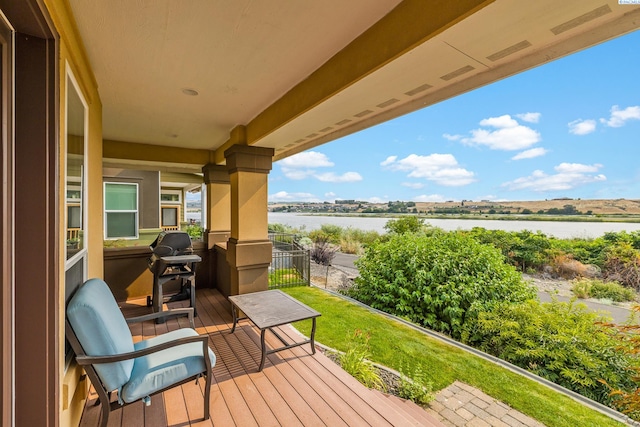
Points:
402	348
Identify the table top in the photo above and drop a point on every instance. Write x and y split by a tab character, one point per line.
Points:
267	309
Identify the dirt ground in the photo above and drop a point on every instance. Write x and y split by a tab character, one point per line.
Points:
332	278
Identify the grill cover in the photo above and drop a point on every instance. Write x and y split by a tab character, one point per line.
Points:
171	243
172	259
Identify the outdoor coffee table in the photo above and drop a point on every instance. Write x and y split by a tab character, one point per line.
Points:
268	309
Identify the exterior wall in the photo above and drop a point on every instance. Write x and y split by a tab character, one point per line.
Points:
148	194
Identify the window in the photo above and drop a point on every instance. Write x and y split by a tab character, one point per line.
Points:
75	202
75	141
120	210
170	196
170	210
170	217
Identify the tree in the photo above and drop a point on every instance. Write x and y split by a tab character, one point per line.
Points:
406	224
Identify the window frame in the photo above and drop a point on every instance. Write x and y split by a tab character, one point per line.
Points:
79	184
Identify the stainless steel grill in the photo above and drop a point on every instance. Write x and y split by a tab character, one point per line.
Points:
173	259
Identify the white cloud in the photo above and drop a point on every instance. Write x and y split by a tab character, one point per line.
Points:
529	117
429	198
531	153
413	185
452	137
443	169
619	117
504	121
303	165
297	174
389	160
567	176
330	195
582	127
307	159
345	177
283	196
577	168
508	134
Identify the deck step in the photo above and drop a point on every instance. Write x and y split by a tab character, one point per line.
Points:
410	410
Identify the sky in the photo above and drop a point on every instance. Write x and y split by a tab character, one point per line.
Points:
569	128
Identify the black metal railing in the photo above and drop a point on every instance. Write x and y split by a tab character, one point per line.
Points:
290	262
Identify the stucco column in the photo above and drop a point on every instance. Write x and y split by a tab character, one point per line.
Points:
218	183
249	248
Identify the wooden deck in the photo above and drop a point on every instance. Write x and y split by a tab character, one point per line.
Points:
294	389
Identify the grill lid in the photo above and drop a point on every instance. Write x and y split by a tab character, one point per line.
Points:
172	243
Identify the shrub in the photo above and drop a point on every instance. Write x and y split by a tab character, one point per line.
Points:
628	400
565	266
323	252
562	342
623	265
332	232
405	224
415	387
305	242
612	290
348	245
594	288
364	237
523	249
354	361
587	251
318	236
194	231
581	288
278	228
438	281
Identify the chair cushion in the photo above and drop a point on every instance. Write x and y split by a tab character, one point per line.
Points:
164	368
102	330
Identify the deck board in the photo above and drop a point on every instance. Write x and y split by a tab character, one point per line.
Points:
295	388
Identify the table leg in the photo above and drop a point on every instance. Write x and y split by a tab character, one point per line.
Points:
234	312
263	346
313	336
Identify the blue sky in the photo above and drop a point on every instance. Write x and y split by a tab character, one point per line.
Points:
570	128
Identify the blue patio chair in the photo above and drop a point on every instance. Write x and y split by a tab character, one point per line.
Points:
99	336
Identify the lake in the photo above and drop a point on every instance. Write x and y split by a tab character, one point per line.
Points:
561	230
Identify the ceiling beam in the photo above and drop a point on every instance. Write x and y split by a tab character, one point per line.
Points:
155	153
408	25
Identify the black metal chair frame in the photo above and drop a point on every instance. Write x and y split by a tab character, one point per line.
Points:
104	396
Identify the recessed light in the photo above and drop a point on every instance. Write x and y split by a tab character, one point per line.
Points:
190	92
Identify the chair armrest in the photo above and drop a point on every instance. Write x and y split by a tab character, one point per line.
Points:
166	313
91	360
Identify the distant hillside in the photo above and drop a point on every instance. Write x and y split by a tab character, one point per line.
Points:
553	206
595	207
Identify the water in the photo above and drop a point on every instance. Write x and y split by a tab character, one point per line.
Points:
561	230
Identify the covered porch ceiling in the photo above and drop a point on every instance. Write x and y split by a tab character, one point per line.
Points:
297	74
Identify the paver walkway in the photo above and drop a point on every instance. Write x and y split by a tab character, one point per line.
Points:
461	405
